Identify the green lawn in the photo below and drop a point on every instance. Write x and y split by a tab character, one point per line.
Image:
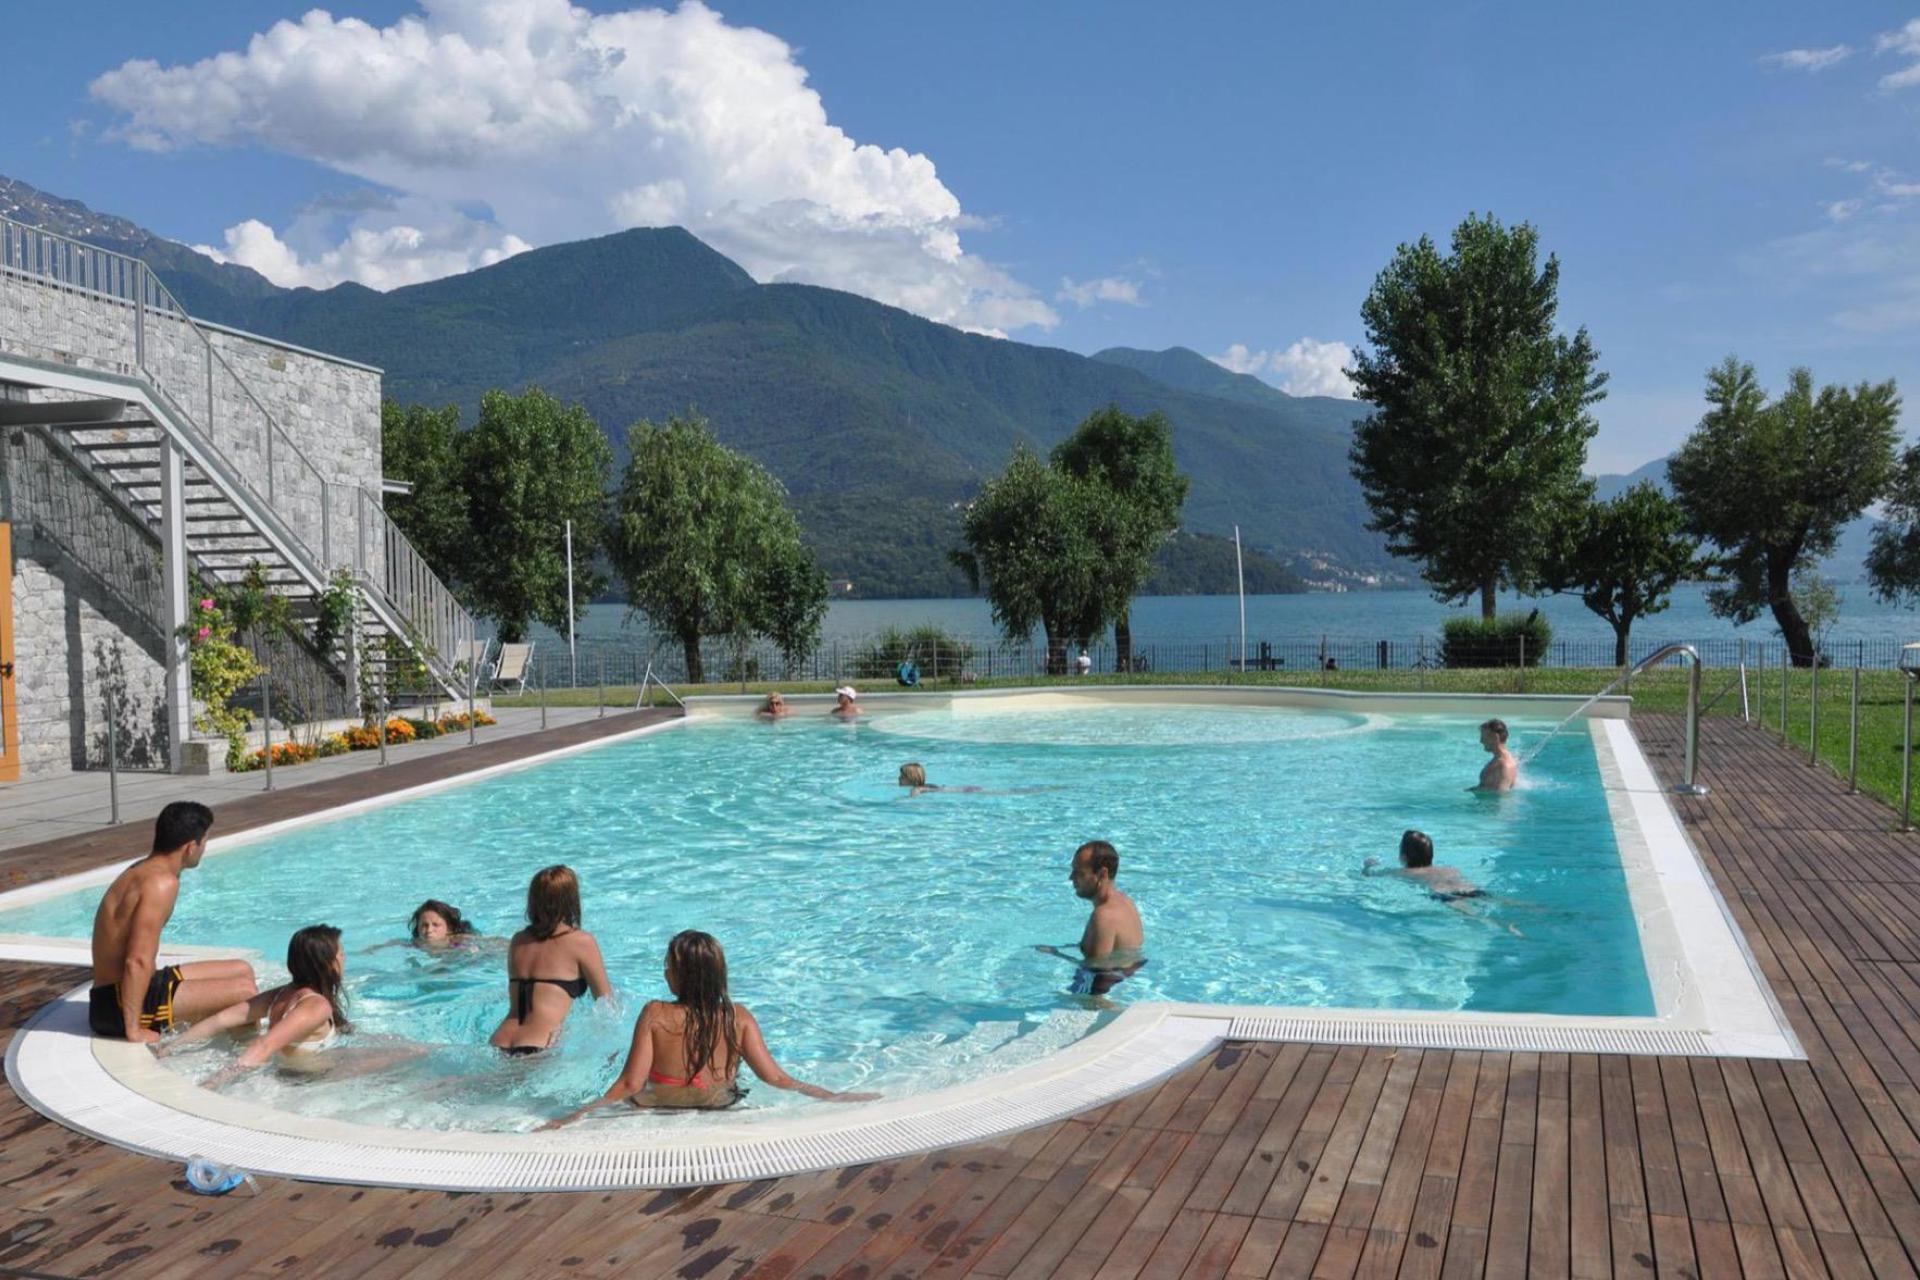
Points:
1881	694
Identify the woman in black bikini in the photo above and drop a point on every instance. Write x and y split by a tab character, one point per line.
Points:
550	964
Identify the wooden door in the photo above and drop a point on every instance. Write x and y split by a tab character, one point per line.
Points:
9	721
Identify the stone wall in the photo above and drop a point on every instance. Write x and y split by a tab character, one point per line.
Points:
231	385
75	639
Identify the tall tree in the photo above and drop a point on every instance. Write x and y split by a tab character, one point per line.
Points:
1625	557
1893	565
529	465
422	447
1770	483
1030	545
1471	457
1133	458
707	545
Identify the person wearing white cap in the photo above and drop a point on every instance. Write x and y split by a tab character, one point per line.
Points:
844	705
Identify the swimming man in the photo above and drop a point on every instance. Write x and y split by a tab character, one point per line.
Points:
1111	944
843	702
1503	771
1444	884
132	998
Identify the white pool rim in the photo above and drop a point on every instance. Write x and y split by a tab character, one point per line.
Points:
1709	997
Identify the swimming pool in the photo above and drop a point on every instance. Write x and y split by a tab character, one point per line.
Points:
886	941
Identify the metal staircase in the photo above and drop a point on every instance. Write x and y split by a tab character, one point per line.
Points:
137	393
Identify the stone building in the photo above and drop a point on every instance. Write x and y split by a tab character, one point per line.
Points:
140	449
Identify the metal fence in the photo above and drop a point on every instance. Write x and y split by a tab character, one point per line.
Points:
621	660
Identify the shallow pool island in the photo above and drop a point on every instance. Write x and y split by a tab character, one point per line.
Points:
886	936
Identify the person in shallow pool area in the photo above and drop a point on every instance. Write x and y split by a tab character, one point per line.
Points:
774	707
550	964
1503	771
1111	944
304	1018
844	705
1444	884
133	997
687	1052
436	925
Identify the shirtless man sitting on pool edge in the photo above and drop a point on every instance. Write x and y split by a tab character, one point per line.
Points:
1111	944
132	998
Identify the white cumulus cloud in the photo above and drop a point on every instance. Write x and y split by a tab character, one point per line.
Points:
381	253
1807	59
1085	293
565	124
1308	367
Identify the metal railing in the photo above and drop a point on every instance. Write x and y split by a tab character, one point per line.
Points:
143	331
437	623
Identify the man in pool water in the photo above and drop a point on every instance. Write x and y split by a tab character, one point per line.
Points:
1444	884
844	706
1112	942
1503	771
132	998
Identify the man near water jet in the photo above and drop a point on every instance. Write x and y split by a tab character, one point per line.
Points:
1503	771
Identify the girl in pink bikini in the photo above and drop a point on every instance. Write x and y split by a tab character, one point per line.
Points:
687	1052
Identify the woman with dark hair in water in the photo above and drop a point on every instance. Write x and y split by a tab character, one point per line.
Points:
304	1017
687	1052
550	964
436	924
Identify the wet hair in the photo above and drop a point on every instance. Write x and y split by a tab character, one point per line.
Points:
310	956
1416	849
1499	728
1101	856
457	924
913	775
697	972
553	899
179	824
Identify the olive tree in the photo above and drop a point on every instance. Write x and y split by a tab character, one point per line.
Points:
1769	483
707	546
1624	557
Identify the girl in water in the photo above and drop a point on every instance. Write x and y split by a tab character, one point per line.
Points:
304	1017
687	1052
550	964
436	924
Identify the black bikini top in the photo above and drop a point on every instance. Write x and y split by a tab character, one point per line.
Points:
523	992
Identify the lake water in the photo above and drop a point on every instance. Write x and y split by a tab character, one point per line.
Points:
1354	616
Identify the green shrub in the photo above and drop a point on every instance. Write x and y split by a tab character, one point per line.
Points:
423	729
938	655
1475	642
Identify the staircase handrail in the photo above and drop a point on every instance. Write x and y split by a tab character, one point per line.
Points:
411	589
130	281
63	262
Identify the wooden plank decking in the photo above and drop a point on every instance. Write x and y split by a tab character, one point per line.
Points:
1283	1160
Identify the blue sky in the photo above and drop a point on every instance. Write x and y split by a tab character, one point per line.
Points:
1073	174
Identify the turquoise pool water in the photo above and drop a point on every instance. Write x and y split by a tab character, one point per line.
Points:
887	942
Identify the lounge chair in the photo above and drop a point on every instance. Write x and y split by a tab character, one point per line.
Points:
478	666
513	667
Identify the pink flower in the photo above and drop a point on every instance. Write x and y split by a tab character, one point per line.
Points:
203	633
206	605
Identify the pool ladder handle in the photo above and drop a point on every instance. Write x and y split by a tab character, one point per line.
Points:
640	699
1692	786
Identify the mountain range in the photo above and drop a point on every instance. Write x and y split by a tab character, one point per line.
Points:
880	423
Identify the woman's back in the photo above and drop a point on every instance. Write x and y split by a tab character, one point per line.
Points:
544	978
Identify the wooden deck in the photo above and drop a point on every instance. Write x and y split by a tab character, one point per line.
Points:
1282	1160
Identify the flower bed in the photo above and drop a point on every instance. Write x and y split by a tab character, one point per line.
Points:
399	730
